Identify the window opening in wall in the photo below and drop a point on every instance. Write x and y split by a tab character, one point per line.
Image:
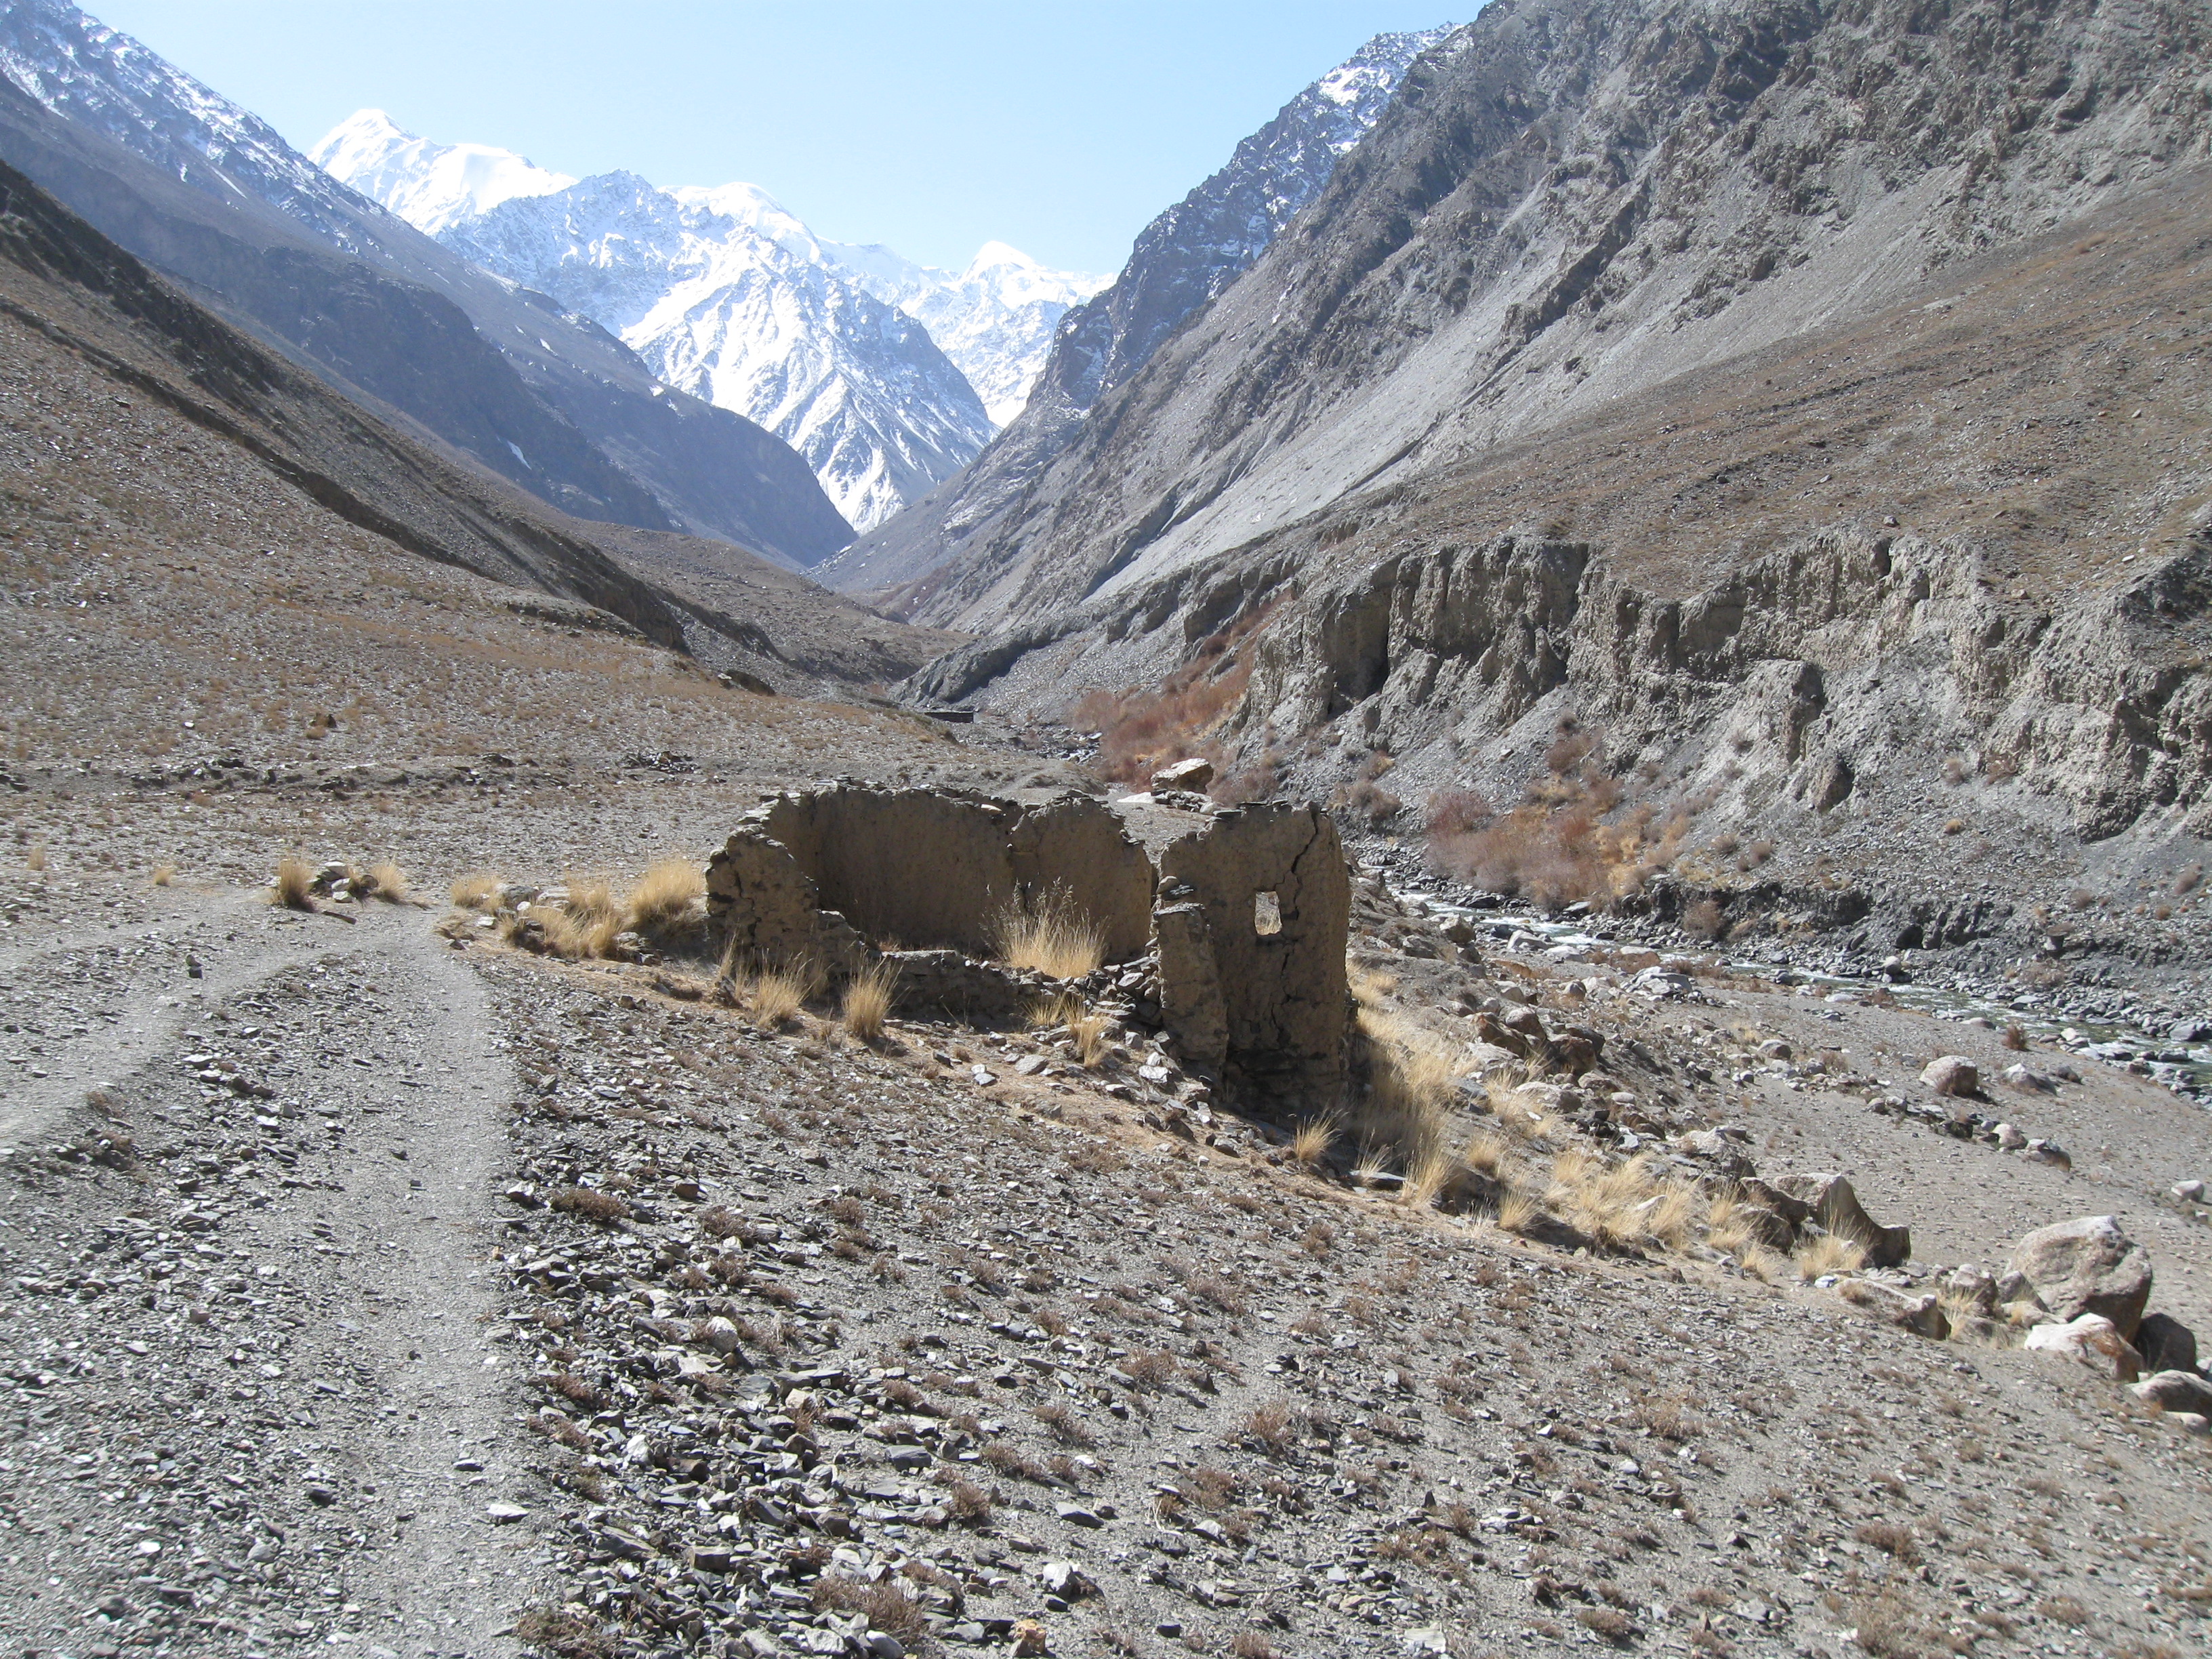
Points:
1267	915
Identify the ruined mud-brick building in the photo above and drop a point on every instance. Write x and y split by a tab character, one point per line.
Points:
1241	915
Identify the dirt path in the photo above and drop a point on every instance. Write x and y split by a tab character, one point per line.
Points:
259	1378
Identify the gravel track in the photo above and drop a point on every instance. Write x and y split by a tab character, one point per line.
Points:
258	1390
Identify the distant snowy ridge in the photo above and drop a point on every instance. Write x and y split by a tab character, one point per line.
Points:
887	375
433	186
731	315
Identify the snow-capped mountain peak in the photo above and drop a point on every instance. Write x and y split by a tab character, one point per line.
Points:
431	186
841	350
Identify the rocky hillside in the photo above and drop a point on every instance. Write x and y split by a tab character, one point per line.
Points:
1822	456
197	385
1183	260
207	192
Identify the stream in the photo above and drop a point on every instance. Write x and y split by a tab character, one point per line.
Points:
2185	1068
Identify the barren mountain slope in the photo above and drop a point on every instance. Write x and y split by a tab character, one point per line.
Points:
1579	198
1181	261
1942	567
204	191
74	297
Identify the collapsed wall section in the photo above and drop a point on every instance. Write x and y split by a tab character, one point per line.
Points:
1254	910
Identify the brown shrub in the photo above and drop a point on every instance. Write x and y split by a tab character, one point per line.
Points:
888	1606
1066	1427
1152	1367
1706	919
1139	731
1610	1624
590	1203
1457	812
968	1503
1892	1538
1559	850
568	1634
1368	800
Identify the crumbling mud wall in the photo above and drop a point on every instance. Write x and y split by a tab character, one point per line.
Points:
833	875
1254	910
1246	914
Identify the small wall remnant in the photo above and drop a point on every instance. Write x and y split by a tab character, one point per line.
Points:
1255	912
834	875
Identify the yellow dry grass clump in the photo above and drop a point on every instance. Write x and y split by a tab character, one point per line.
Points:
868	998
293	887
669	895
1311	1139
1085	1026
385	880
780	993
477	891
1050	935
1829	1253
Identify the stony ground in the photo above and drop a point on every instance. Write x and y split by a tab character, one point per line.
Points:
313	1341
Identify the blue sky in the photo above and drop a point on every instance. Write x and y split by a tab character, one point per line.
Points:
1059	128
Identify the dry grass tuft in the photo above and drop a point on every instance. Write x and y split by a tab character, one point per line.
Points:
868	998
1817	1257
1732	1226
591	900
670	895
780	993
293	887
1311	1139
1488	1153
477	891
1402	1118
1085	1026
1518	1211
1430	1174
385	880
1050	935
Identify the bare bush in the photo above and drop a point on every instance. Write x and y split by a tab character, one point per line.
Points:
589	1202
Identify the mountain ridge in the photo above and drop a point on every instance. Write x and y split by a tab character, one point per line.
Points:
724	293
215	198
1526	233
1181	261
